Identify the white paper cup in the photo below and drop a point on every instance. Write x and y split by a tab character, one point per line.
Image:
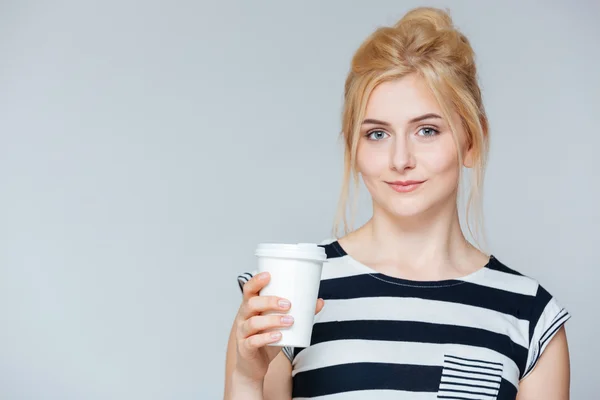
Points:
295	275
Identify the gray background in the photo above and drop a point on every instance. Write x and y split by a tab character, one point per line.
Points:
147	147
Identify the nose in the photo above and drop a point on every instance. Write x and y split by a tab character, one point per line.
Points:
402	157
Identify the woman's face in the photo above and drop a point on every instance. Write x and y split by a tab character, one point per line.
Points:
404	139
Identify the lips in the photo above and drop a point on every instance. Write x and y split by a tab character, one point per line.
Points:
405	183
405	186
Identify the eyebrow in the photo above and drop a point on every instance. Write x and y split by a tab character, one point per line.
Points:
412	121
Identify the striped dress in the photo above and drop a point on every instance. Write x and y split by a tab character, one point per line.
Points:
380	337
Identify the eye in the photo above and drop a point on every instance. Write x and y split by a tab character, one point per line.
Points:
376	135
428	131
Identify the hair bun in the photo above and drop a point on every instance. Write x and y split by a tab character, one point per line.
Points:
427	17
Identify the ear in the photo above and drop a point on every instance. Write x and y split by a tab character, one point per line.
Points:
468	158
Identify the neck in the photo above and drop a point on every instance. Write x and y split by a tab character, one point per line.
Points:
428	245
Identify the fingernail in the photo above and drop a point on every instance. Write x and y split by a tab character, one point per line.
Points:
284	303
275	335
287	319
262	276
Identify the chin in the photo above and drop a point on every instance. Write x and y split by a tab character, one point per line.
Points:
406	208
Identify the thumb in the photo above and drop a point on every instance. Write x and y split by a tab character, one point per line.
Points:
320	305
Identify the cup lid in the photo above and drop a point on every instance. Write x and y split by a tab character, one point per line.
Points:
306	251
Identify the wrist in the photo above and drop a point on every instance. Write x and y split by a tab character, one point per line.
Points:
246	383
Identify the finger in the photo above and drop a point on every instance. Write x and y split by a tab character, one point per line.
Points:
254	285
257	341
320	305
260	323
260	304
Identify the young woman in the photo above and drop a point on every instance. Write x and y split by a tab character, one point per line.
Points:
408	307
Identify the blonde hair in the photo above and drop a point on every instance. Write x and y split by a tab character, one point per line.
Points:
424	42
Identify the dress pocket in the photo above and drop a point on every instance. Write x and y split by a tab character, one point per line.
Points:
469	379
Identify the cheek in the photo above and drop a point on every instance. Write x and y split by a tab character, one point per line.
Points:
372	162
440	159
440	163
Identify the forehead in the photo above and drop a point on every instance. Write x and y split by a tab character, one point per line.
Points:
401	99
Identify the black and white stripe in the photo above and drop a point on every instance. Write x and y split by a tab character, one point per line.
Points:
559	320
540	341
469	378
243	278
380	337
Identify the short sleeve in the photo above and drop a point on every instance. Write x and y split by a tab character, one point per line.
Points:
546	318
245	277
242	279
